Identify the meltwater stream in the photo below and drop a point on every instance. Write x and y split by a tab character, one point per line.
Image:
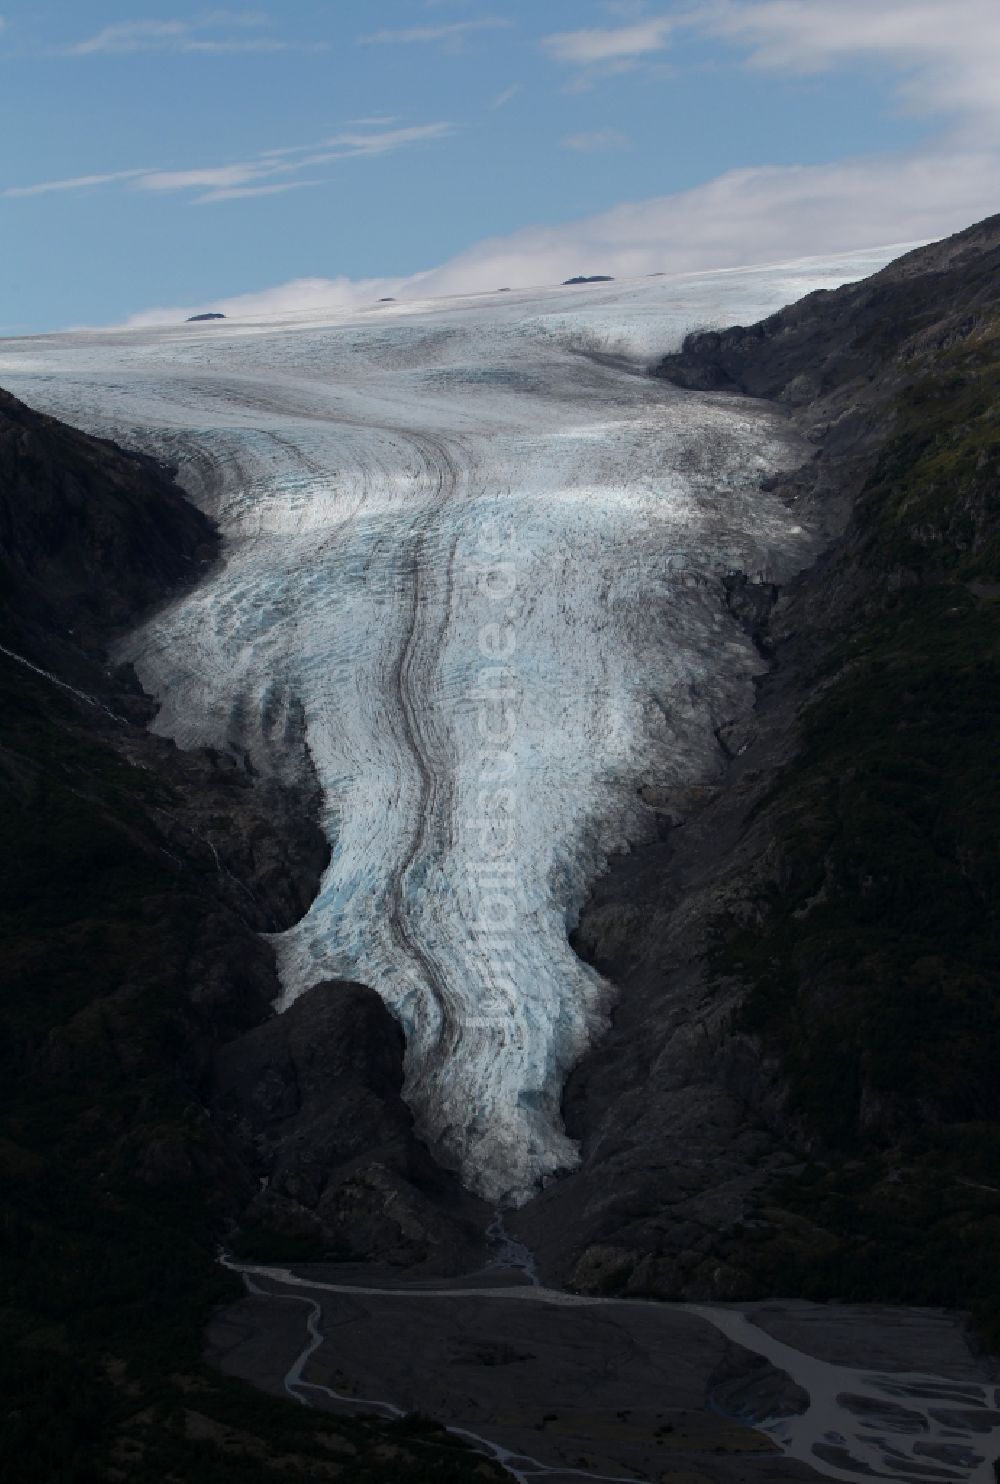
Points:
472	561
859	1421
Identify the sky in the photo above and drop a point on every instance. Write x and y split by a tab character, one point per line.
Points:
159	159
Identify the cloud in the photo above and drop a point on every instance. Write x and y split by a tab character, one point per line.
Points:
344	146
596	141
502	99
218	177
947	50
128	37
453	34
287	298
234	193
742	217
942	56
609	44
255	177
75	183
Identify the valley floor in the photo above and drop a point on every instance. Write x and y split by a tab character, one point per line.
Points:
567	1388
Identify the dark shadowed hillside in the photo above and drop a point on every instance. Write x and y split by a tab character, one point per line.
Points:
799	1093
134	882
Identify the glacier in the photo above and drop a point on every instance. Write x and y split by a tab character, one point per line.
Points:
472	567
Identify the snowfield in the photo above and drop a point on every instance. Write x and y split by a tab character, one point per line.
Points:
472	563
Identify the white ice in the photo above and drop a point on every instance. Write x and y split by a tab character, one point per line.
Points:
481	557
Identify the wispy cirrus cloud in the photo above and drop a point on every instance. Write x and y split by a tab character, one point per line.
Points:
506	96
609	44
372	121
600	52
267	173
453	34
236	193
73	183
216	32
596	141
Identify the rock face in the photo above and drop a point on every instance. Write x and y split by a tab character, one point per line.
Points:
313	1099
90	536
796	1091
922	304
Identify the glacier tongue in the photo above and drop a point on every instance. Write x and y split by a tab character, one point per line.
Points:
479	557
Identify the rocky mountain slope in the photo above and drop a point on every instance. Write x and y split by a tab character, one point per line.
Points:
135	881
799	1092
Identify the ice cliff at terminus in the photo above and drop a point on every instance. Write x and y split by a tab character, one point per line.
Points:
472	561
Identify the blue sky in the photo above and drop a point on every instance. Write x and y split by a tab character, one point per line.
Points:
176	154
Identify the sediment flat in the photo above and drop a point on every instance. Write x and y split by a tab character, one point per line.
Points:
624	1390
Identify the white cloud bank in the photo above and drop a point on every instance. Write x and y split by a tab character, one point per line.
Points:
744	217
941	56
947	51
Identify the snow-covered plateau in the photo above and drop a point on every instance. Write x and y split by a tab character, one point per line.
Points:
473	560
